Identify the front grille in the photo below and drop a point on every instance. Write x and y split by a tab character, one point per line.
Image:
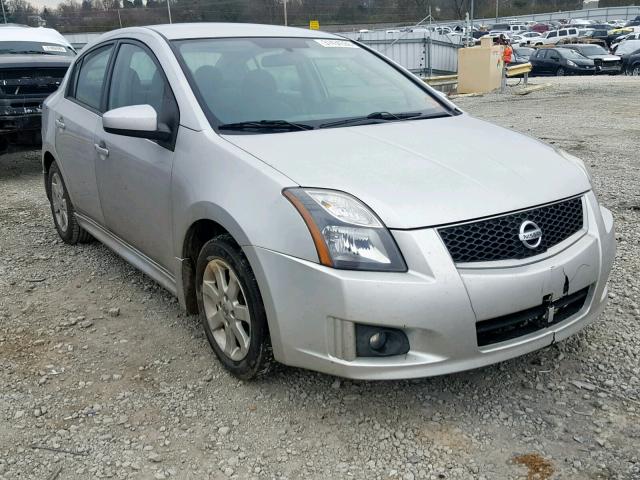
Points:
35	81
497	238
521	323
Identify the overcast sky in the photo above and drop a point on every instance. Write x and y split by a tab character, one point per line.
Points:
45	3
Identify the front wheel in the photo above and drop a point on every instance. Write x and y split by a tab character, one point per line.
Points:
231	308
635	70
560	72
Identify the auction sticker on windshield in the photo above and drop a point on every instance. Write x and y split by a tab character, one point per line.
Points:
336	43
53	48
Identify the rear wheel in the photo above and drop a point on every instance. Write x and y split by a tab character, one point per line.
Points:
64	217
635	70
231	308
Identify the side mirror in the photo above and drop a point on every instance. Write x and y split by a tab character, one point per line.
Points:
139	121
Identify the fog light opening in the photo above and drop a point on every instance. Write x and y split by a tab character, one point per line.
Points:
374	341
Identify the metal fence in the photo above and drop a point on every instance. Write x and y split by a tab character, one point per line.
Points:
601	14
420	52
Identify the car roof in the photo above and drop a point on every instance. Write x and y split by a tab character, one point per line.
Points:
178	31
19	33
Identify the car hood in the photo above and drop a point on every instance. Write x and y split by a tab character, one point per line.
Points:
424	172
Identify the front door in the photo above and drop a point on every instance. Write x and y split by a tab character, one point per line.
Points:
134	174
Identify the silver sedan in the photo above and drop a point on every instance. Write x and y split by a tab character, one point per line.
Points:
316	204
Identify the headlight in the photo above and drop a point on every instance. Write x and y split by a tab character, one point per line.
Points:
346	233
576	161
571	63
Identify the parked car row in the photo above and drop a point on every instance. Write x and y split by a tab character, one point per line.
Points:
606	34
574	59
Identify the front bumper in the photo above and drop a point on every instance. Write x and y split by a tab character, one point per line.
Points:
609	69
19	126
312	309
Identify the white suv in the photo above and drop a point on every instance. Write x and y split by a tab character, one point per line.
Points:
554	36
509	29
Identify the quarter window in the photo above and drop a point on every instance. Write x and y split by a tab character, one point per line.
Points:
90	81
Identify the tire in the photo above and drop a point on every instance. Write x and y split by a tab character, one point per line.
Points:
634	71
560	72
62	210
231	309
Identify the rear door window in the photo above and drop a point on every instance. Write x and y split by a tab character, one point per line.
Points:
91	77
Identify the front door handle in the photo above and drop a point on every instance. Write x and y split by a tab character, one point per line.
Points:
60	124
101	149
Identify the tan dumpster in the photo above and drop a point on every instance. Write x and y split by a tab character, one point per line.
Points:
480	68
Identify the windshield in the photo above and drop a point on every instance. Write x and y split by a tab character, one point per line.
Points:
569	53
43	48
630	46
301	80
593	50
524	52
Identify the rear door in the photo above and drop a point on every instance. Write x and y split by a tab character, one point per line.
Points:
76	118
134	174
538	61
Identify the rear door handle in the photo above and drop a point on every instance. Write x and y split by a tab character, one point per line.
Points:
60	124
101	149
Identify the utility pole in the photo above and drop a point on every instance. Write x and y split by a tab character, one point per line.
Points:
497	6
285	12
169	10
119	18
4	15
470	32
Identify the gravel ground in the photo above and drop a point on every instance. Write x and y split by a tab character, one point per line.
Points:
103	376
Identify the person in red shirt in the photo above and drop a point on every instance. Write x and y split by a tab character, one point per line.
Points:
507	52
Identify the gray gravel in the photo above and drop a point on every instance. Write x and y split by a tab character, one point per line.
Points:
103	376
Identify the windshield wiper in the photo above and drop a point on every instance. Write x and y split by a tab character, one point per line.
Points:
374	118
272	125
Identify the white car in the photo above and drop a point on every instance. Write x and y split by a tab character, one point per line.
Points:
525	38
554	36
630	36
316	203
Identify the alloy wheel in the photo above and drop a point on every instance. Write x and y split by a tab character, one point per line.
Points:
560	72
635	72
59	202
226	310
